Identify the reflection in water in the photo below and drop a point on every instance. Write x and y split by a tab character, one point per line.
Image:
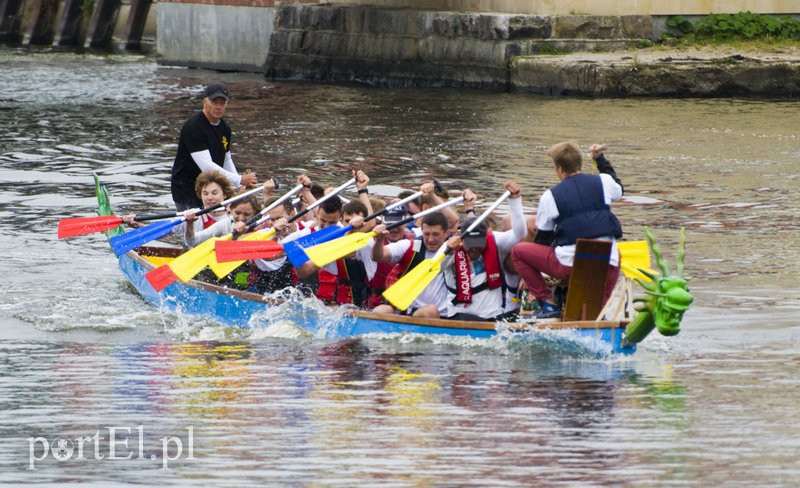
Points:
218	375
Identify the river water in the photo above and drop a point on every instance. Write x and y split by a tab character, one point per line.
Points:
81	353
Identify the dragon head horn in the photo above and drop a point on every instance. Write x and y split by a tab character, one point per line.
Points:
681	252
651	241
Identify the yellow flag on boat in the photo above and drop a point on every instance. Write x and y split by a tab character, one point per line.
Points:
635	255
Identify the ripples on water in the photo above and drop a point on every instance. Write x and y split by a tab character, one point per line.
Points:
80	351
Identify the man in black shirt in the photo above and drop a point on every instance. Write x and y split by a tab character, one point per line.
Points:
205	144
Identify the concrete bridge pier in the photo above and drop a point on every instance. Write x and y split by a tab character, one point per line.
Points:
68	23
131	35
37	21
101	26
10	17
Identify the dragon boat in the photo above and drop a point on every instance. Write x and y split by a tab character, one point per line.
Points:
614	327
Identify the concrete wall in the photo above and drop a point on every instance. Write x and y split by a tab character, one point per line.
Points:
408	47
214	36
369	37
591	7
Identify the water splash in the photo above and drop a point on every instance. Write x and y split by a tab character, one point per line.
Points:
292	310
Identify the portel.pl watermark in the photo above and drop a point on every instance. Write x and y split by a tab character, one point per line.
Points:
113	446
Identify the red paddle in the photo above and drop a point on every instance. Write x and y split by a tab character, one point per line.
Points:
245	250
78	226
161	277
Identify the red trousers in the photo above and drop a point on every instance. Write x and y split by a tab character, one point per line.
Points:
534	259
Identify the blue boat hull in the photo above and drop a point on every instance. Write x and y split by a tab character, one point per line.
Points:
244	309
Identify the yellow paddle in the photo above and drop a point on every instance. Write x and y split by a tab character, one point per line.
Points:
635	255
188	264
328	252
403	293
223	269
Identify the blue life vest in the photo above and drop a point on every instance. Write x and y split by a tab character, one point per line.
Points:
582	210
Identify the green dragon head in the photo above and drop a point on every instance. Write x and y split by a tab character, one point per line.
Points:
668	295
671	305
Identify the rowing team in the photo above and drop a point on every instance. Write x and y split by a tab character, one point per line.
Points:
480	274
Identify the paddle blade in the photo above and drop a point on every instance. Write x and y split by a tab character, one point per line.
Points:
161	277
295	253
403	293
296	250
635	255
224	269
79	226
328	252
131	240
323	235
227	251
188	264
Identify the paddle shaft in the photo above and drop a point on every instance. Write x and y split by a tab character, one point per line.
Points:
259	217
226	202
425	212
431	210
377	214
445	250
322	200
143	218
393	205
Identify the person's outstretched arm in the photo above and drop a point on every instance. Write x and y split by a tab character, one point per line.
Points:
603	164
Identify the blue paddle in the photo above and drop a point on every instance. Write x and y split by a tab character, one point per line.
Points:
295	250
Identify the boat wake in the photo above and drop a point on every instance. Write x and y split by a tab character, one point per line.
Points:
291	309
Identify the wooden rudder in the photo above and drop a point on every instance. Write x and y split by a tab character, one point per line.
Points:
587	281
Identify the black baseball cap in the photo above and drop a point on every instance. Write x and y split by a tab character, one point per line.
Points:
215	90
477	236
395	214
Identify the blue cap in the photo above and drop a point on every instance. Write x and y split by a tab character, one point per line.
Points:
395	214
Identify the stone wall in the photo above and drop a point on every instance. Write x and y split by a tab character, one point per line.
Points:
402	47
704	73
591	7
392	46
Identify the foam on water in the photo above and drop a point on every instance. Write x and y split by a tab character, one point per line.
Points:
292	306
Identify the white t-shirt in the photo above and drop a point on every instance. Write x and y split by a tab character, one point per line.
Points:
222	226
488	303
548	212
436	292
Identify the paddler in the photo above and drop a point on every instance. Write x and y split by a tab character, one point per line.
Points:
205	144
344	280
578	207
473	272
